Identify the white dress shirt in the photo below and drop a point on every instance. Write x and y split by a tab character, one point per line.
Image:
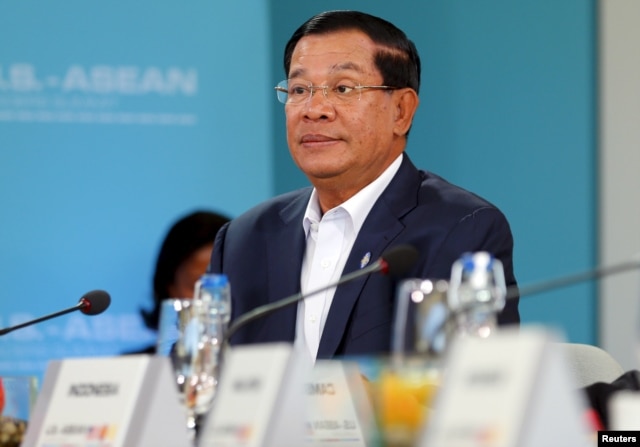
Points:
330	238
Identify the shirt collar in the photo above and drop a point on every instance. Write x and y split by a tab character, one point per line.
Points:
359	205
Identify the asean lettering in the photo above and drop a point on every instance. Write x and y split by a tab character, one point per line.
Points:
322	389
101	79
130	80
108	328
93	389
19	78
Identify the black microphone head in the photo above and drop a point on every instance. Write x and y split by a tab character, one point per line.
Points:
399	259
95	302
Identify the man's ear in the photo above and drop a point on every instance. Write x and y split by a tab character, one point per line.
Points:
406	105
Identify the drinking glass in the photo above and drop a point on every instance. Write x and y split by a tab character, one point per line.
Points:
17	397
407	383
191	338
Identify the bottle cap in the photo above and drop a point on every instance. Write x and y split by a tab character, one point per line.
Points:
214	280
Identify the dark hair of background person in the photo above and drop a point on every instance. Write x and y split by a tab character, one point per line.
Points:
399	62
186	236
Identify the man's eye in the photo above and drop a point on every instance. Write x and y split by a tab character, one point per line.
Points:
298	90
343	89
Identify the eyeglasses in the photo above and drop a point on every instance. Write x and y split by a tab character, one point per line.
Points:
299	91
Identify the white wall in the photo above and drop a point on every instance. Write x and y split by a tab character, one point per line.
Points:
619	315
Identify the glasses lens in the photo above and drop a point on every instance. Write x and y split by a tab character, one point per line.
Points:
281	91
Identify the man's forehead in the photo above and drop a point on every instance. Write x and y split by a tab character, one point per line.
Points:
338	68
334	53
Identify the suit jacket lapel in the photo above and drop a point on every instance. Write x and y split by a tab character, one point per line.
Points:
381	227
285	249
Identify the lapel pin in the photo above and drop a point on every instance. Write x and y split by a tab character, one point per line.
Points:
365	259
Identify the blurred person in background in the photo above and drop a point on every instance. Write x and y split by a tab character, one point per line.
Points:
183	257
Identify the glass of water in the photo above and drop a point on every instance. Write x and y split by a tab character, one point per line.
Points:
189	337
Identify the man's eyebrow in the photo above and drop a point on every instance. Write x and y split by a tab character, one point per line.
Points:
296	73
344	66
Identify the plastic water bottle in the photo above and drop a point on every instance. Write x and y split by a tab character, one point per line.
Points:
476	293
214	289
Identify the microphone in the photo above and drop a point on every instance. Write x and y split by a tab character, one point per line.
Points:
91	303
394	262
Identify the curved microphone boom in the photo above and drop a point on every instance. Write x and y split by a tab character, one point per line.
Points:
91	303
395	262
576	278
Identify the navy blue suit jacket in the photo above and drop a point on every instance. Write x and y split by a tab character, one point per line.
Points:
261	252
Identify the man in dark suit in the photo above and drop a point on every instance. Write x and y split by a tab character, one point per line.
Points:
350	97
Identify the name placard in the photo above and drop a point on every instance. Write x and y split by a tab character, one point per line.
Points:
114	402
510	389
339	412
260	398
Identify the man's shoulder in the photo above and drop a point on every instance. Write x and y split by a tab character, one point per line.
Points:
435	189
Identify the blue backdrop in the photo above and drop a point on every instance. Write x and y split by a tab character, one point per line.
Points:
116	118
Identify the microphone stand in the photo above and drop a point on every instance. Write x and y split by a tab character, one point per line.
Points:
514	292
78	306
266	309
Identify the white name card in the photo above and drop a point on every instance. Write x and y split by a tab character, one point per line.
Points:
260	398
339	412
114	402
510	389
